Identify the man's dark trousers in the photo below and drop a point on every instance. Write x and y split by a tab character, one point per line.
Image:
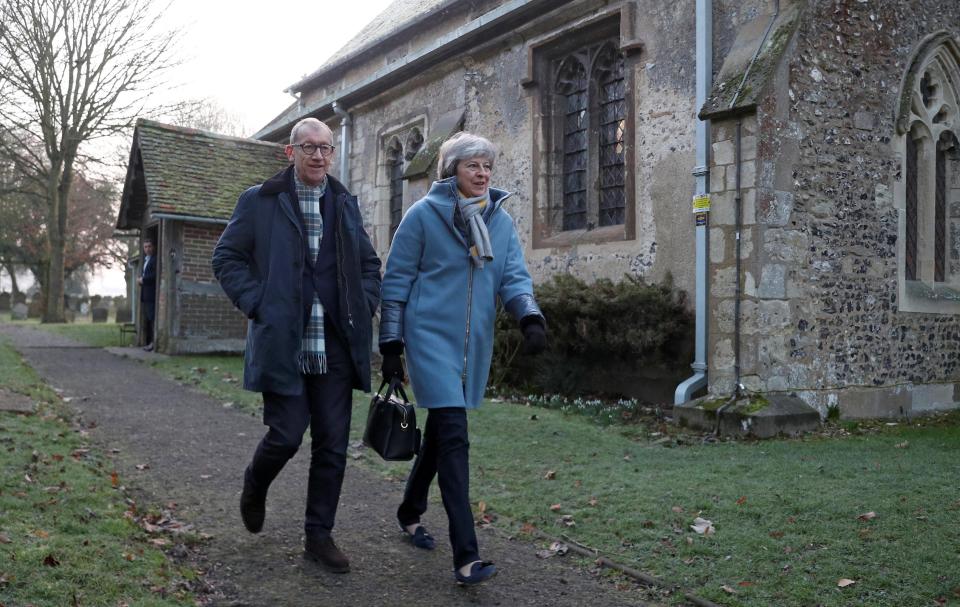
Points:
325	406
445	453
150	312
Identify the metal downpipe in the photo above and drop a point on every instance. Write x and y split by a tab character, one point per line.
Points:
704	34
345	124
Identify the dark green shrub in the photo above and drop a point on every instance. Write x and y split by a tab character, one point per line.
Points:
594	328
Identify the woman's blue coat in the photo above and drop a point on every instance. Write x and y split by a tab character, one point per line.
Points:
448	319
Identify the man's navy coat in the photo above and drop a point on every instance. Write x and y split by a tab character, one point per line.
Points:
259	262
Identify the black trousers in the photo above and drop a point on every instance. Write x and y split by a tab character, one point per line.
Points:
324	406
445	453
150	313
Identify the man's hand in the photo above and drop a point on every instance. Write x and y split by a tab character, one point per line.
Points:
140	280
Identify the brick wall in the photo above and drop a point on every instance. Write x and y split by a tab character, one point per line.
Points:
204	310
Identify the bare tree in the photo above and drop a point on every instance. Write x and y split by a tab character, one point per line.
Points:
71	72
207	115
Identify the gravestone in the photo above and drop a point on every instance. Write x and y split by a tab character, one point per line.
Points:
124	315
5	302
20	297
19	312
100	314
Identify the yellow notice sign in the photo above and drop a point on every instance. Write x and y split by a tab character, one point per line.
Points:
701	203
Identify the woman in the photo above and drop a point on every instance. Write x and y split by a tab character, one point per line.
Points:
455	252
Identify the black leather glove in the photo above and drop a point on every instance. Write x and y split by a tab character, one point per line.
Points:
392	364
534	336
392	367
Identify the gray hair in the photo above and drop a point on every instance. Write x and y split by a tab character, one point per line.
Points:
308	124
463	146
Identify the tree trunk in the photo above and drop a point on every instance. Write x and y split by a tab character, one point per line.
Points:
12	271
58	190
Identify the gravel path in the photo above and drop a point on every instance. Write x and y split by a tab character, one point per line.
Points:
195	451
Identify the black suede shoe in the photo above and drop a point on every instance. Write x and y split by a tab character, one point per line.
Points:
253	505
322	550
480	572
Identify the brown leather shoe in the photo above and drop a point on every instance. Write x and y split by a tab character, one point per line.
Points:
322	550
253	505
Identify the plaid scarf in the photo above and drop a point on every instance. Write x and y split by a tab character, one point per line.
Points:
312	358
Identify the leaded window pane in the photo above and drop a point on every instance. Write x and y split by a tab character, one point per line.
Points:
396	192
910	247
612	129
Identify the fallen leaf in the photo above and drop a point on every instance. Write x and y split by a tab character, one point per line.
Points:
129	556
559	548
51	561
647	524
776	534
844	582
867	516
567	520
902	445
27	478
742	500
114	478
744	584
677	509
481	507
143	466
689	561
57	457
593	501
555	508
527	528
204	477
728	589
4	539
550	475
159	541
41	534
791	519
702	526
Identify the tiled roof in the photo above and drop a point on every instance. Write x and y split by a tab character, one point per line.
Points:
191	172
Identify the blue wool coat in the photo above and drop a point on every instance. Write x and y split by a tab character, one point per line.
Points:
448	316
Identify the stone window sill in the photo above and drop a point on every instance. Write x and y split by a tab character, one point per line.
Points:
939	298
575	237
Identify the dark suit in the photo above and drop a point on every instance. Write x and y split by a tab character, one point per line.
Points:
148	295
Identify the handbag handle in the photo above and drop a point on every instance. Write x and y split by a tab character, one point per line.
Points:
396	386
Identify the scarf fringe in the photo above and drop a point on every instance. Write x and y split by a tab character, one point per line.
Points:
312	363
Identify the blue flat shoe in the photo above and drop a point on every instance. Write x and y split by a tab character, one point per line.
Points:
420	538
480	572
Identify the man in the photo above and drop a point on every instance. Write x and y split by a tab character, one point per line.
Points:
148	292
297	261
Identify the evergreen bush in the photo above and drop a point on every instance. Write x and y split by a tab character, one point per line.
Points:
592	328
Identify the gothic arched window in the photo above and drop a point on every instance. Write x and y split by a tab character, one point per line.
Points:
395	174
928	126
590	115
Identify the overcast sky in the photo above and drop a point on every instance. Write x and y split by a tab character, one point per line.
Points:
243	54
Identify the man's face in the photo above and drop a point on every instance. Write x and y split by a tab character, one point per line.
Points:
148	248
313	168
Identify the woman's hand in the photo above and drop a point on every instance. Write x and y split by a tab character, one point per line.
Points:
534	338
392	367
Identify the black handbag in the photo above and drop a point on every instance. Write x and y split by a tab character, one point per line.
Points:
392	424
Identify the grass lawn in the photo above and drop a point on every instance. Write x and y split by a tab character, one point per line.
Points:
66	534
875	504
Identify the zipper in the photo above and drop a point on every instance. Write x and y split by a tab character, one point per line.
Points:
466	337
341	279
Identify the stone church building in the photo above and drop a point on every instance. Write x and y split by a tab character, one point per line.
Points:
830	240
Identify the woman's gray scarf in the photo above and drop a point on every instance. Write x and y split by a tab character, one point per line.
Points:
472	211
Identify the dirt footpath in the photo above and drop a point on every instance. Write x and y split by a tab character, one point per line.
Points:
195	452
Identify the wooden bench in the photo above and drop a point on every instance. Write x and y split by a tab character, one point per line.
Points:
127	328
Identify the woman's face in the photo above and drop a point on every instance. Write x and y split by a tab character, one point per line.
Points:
473	176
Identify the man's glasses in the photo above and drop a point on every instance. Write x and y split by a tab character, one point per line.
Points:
310	149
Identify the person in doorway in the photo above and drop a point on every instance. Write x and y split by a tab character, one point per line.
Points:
296	260
148	291
455	252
